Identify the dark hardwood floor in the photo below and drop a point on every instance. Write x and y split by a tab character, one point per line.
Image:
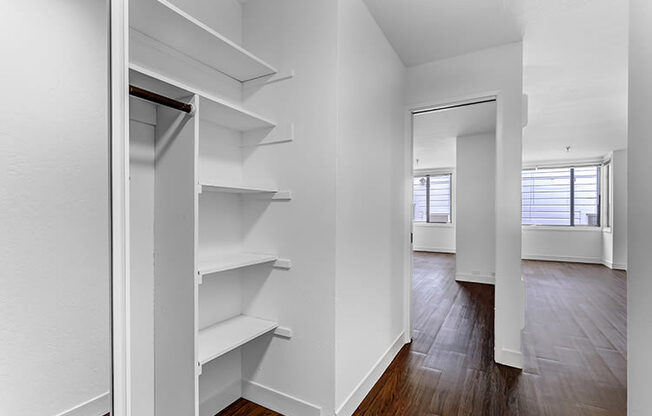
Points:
574	347
242	407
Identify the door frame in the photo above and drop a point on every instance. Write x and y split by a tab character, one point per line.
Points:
408	175
119	189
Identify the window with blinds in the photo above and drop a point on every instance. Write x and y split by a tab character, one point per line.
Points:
561	196
432	198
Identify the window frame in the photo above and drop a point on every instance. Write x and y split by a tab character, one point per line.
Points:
571	226
607	189
428	175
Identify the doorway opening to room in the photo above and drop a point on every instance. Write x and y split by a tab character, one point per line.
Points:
453	219
453	190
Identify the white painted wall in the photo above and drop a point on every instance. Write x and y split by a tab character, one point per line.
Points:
582	245
491	71
298	35
639	264
436	238
54	208
476	208
370	215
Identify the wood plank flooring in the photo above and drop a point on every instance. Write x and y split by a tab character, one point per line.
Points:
574	347
242	407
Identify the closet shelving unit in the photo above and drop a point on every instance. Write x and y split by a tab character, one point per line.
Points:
234	261
168	25
213	109
161	20
227	335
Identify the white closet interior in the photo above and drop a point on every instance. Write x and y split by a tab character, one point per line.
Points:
195	271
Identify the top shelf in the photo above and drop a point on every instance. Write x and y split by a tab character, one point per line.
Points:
168	24
211	108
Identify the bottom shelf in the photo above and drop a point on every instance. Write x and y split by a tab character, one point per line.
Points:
228	335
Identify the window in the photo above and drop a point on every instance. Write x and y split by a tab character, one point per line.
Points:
561	196
432	195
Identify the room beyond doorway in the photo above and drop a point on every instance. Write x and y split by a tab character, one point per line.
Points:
454	174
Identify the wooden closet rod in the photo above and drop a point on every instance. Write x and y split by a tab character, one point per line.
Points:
159	99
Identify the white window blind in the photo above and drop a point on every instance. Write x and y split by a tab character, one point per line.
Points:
549	196
432	198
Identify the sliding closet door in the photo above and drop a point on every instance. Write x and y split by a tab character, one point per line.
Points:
55	338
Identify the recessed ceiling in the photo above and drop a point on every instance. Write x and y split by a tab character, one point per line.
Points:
574	69
435	133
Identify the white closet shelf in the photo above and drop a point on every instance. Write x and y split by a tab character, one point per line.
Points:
231	116
229	189
228	335
235	261
170	25
211	108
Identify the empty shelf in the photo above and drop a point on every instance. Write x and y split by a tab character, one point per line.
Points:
213	109
231	116
166	23
234	261
235	189
228	335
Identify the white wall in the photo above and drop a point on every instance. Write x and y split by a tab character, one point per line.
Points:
582	245
54	208
370	215
491	71
639	264
476	212
298	35
436	238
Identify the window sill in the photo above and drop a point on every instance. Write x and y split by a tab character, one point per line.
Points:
561	228
433	224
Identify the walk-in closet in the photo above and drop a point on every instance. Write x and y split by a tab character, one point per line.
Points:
204	249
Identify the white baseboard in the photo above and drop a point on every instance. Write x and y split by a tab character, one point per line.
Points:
97	406
434	250
487	279
614	266
564	259
220	400
619	266
277	401
364	387
509	357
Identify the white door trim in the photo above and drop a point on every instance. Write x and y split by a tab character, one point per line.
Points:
119	85
409	155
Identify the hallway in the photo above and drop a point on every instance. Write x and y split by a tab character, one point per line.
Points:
575	346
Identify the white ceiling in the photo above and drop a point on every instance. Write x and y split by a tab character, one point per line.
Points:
575	73
575	61
425	30
435	133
